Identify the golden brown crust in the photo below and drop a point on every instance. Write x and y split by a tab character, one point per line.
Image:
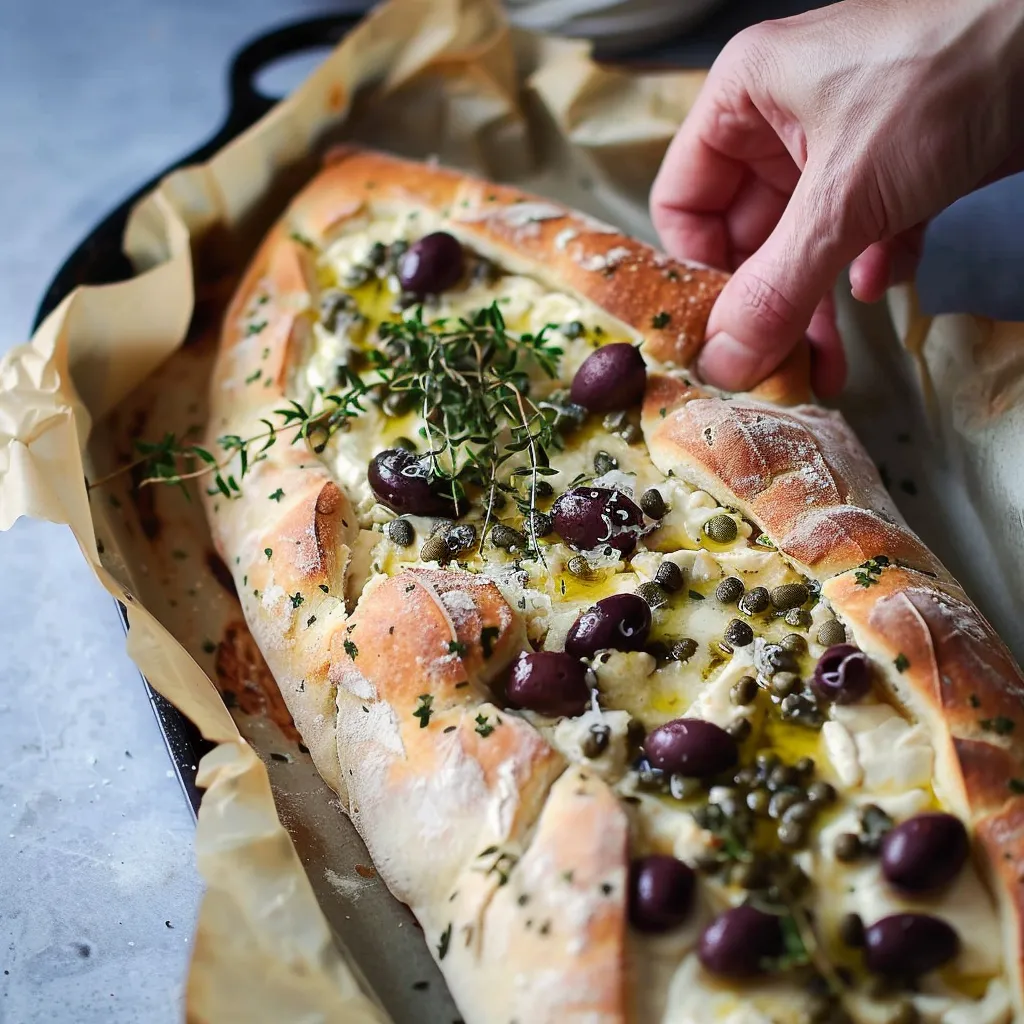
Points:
951	670
799	473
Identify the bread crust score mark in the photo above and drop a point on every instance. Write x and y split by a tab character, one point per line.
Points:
440	807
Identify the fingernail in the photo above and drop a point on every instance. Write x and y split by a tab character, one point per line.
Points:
725	362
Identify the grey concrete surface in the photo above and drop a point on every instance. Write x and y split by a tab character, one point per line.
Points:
98	890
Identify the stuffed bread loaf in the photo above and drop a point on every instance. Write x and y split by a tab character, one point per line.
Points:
642	696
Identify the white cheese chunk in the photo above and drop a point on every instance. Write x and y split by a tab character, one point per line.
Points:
893	755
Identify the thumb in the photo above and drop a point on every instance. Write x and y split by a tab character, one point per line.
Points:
766	306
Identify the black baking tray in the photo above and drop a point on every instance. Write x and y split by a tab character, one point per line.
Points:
99	258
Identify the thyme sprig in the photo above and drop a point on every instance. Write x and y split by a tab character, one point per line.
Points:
470	379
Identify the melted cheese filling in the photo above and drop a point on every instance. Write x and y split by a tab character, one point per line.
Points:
869	751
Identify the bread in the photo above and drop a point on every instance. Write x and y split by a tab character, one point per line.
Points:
508	832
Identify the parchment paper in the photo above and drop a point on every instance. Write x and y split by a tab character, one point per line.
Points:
295	925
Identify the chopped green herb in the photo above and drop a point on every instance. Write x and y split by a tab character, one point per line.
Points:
310	621
1000	725
297	599
209	646
277	495
902	662
660	320
864	580
423	710
455	647
296	236
256	328
253	377
444	943
696	595
268	552
483	727
350	649
324	588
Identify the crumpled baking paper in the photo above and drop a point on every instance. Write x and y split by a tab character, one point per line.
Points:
294	924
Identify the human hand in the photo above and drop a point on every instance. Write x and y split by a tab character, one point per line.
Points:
828	138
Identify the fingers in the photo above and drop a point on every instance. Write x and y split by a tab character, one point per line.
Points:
886	263
828	358
767	306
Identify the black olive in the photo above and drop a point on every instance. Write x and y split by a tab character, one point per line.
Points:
754	601
549	682
843	674
683	649
739	940
669	577
831	632
691	747
505	537
661	893
400	532
402	481
431	265
653	504
909	944
609	379
621	622
729	590
604	463
739	634
925	852
587	517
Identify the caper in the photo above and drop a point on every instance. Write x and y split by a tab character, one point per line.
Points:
847	847
802	811
484	271
652	594
754	601
739	729
684	649
798	618
614	422
722	529
406	443
794	643
669	577
821	793
906	1014
653	504
400	532
780	803
398	248
597	741
851	930
573	329
541	522
631	433
749	875
377	255
658	649
496	501
776	658
831	632
459	538
745	778
743	691
729	590
758	801
434	549
874	824
506	538
804	765
739	634
542	489
397	403
789	595
604	463
708	863
684	787
792	833
781	776
785	683
579	567
356	275
766	761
